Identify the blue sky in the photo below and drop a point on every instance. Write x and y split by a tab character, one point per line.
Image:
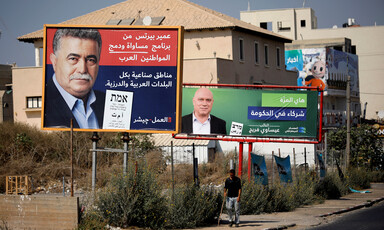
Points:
19	17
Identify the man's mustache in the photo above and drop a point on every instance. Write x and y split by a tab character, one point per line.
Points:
80	76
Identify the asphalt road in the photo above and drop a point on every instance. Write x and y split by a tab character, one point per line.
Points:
365	219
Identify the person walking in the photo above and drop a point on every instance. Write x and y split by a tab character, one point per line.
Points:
232	193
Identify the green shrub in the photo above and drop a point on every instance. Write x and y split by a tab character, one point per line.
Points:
280	197
376	176
254	198
358	178
92	220
304	190
331	187
133	200
193	206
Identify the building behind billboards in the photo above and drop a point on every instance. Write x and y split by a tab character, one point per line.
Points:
217	48
300	24
338	66
6	100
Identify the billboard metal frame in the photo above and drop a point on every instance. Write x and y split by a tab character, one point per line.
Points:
252	139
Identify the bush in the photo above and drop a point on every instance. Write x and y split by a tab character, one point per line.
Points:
280	197
331	187
358	178
92	220
254	198
376	176
193	206
304	190
133	200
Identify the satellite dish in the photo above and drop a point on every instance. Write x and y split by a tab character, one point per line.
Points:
381	114
147	20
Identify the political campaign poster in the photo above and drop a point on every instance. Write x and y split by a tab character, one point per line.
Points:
112	78
259	169
284	168
321	164
251	112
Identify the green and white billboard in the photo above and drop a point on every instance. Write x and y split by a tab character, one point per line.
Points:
256	112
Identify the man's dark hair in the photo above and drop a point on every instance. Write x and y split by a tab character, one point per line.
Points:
81	33
232	171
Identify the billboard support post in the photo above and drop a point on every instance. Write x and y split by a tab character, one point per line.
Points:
71	158
240	159
95	138
249	161
173	174
125	139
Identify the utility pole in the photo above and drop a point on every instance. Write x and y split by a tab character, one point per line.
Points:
348	146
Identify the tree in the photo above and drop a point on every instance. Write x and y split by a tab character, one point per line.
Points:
366	146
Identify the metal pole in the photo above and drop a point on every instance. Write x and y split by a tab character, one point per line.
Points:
63	186
236	158
125	139
173	173
95	138
241	159
294	162
196	163
348	146
249	161
325	149
193	162
305	159
71	157
231	166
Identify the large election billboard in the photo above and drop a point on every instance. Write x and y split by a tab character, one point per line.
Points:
325	68
265	113
112	78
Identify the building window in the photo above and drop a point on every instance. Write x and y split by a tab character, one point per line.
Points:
256	52
302	23
278	57
241	47
266	55
266	25
33	102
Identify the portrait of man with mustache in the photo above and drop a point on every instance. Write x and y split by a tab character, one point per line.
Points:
69	94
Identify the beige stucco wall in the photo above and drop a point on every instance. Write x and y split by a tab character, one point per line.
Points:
288	17
203	44
200	71
369	47
249	72
27	82
201	65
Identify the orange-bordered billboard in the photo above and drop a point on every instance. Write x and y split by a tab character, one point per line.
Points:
112	78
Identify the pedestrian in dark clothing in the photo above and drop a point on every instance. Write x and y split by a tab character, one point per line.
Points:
232	193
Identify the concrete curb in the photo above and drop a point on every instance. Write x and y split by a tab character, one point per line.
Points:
344	210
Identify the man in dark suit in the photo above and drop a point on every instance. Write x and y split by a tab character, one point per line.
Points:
68	94
201	121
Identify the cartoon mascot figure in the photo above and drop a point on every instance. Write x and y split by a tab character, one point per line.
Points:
316	79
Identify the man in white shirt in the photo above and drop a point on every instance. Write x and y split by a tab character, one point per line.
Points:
69	95
201	121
